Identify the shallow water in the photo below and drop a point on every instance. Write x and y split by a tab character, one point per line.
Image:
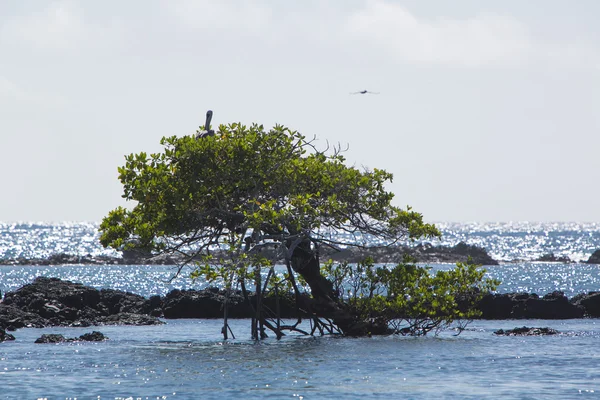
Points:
187	359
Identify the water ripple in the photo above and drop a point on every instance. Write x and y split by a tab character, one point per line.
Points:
508	241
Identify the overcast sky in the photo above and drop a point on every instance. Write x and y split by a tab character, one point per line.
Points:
488	110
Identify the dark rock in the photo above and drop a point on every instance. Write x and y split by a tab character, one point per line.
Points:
117	301
529	306
5	336
51	338
550	257
425	253
552	308
64	259
54	302
94	336
390	254
525	331
589	302
496	306
136	256
198	304
154	305
209	303
594	258
13	317
36	295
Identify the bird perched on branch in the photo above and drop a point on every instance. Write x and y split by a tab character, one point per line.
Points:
364	92
207	131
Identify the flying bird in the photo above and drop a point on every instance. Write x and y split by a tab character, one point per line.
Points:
207	131
364	92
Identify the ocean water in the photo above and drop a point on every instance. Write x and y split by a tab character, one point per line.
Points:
507	241
187	359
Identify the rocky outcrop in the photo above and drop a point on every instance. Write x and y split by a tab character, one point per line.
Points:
389	254
128	258
208	303
94	336
525	331
5	336
424	253
54	302
590	302
550	257
594	258
554	305
203	304
461	252
63	259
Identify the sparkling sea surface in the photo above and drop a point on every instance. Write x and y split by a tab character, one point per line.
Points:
187	359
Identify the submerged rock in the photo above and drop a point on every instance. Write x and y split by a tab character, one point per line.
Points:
94	336
525	331
5	336
51	338
550	257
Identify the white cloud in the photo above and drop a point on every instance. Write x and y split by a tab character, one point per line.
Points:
220	17
12	95
481	40
58	26
391	31
65	27
336	31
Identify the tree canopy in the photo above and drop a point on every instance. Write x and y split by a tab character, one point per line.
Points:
235	203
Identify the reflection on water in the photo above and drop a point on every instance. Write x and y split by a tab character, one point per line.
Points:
504	241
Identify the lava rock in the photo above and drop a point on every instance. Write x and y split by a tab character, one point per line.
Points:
5	336
206	303
590	302
550	257
54	302
525	331
594	258
388	254
51	338
423	252
529	306
94	336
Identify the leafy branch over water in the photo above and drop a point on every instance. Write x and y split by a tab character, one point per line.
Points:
219	202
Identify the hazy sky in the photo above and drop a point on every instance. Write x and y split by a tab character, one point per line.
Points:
488	110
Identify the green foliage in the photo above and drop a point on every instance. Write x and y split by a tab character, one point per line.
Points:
202	194
408	297
233	203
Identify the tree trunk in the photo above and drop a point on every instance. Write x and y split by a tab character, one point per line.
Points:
306	263
326	303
